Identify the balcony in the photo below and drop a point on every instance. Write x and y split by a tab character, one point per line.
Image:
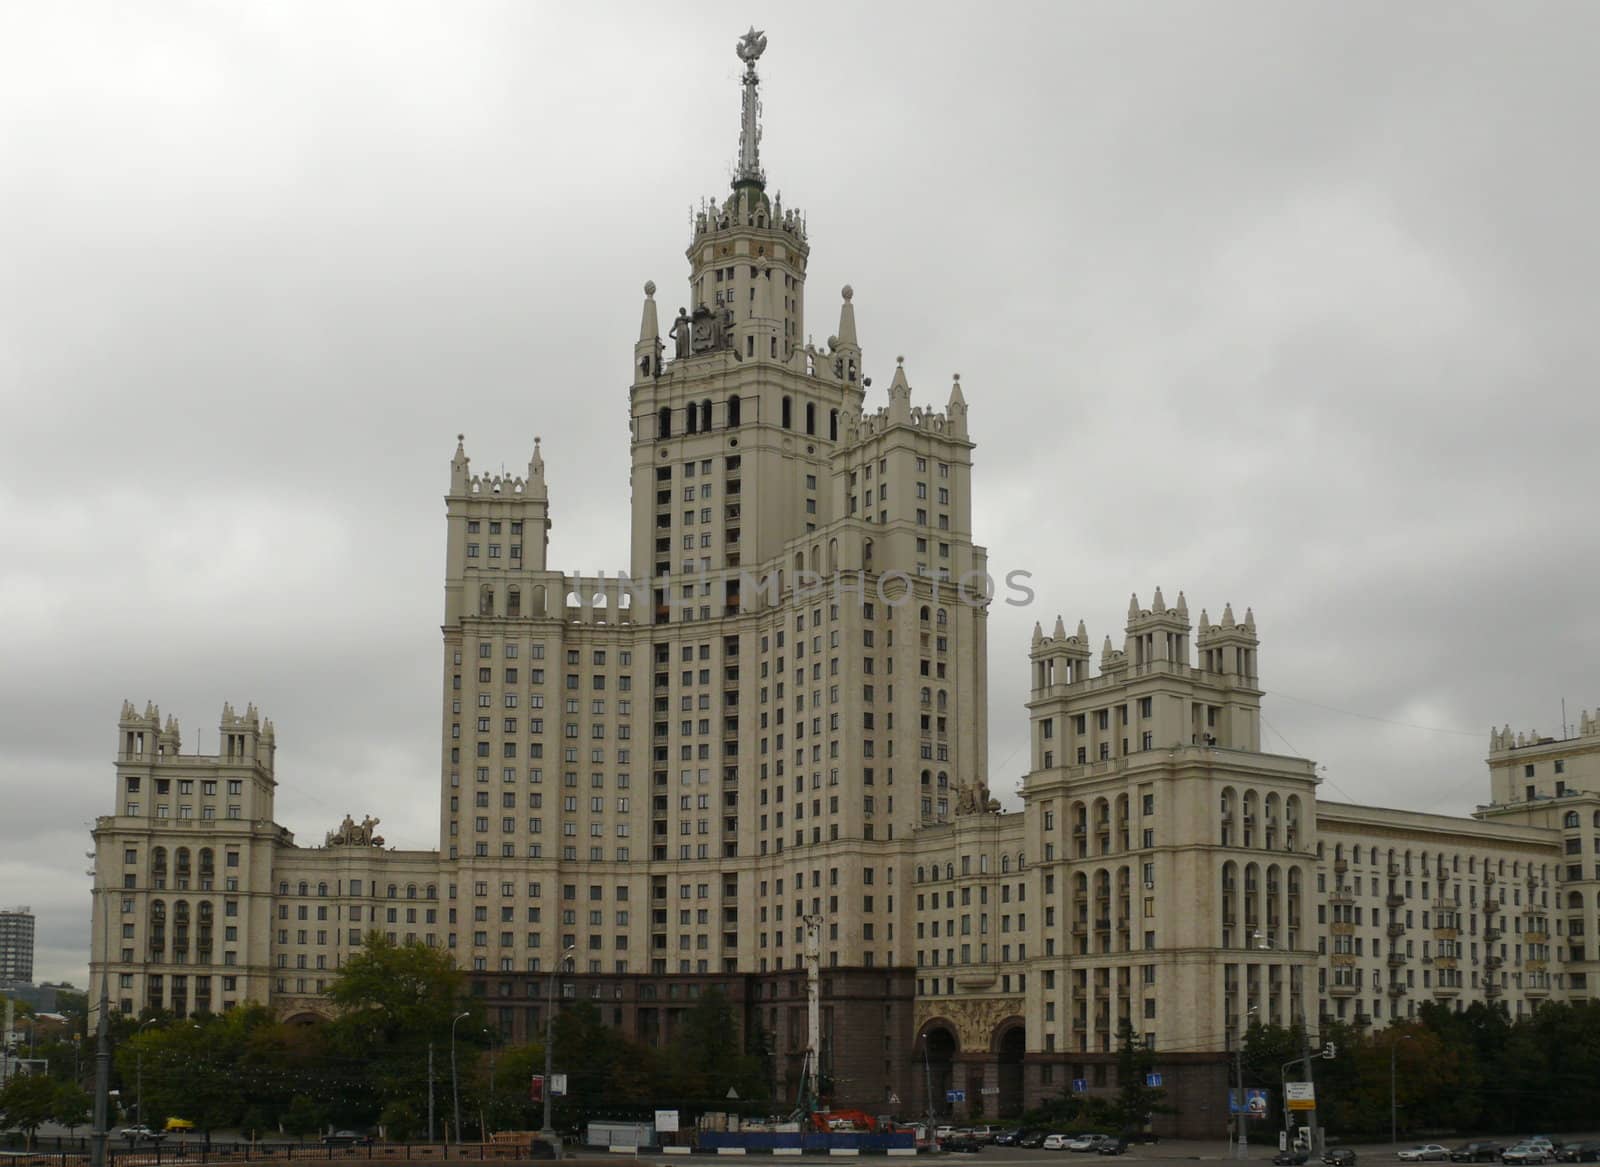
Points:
1397	960
1395	930
1394	871
1491	934
1363	1019
1492	963
1339	990
1446	990
1492	990
1396	989
1394	900
1340	866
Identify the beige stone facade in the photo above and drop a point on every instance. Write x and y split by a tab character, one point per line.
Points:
780	711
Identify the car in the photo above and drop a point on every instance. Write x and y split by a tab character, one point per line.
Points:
1426	1153
1114	1146
179	1124
1291	1158
1055	1142
1582	1151
1525	1153
943	1132
1339	1157
1140	1137
1011	1137
985	1133
1033	1139
1084	1144
345	1139
1477	1153
963	1145
142	1134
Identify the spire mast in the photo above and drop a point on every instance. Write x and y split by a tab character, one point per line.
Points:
750	48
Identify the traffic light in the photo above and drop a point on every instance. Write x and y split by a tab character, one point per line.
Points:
536	1089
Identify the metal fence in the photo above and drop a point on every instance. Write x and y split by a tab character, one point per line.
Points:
74	1152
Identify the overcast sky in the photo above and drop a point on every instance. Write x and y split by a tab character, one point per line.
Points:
1291	305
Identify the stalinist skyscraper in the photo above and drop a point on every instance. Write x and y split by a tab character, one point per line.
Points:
670	774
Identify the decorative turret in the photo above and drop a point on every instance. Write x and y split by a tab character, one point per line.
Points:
1229	647
956	408
460	466
1059	659
1160	635
899	394
647	352
138	734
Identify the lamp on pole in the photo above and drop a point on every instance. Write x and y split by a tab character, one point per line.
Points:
102	1054
1241	1141
455	1082
549	1036
138	1055
1262	942
489	1032
1394	1044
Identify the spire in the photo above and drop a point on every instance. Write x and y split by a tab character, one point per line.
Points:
1083	634
1250	619
536	463
1038	634
956	396
1061	629
1227	616
750	48
649	329
847	320
1183	606
899	393
459	466
1205	622
1157	604
1133	607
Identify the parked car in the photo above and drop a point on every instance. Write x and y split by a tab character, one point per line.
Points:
1525	1153
985	1133
1010	1138
1477	1153
1426	1153
1291	1158
1339	1157
1054	1142
142	1134
1582	1151
963	1144
1114	1146
1141	1136
943	1132
1084	1144
1033	1139
345	1139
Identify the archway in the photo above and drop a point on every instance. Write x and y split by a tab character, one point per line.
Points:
939	1049
1009	1050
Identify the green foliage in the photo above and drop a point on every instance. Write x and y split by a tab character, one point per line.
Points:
27	1102
303	1117
71	1105
1136	1102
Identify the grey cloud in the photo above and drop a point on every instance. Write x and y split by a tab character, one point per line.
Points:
1285	305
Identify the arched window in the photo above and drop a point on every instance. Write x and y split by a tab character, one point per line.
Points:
664	422
949	870
943	699
943	618
811	417
705	415
432	892
788	413
924	614
733	412
411	891
919	874
486	601
926	695
514	601
1005	865
691	418
393	891
305	888
1570	819
322	889
833	425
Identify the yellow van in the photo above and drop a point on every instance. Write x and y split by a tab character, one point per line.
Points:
179	1124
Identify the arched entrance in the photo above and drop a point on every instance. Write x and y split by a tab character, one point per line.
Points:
936	1067
1009	1049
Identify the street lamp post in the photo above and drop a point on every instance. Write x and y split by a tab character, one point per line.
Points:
549	1037
1394	1044
1315	1146
138	1061
455	1082
1241	1141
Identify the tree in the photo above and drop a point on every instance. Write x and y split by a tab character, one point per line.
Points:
27	1102
303	1116
400	988
1136	1102
71	1106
